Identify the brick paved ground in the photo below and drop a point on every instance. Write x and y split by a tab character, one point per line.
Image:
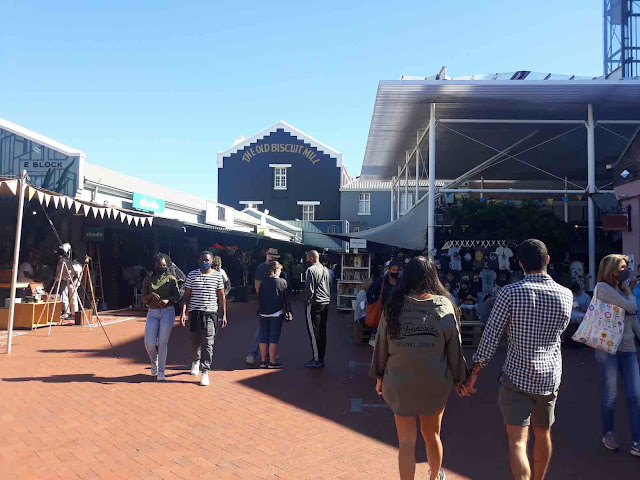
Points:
69	410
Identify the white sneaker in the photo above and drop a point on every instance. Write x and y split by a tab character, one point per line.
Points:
160	376
250	360
204	379
372	342
154	369
195	368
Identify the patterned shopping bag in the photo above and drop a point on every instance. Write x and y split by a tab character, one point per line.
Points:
602	326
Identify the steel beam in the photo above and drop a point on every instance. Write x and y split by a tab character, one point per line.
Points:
431	224
591	189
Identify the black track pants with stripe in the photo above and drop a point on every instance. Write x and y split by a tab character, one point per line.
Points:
317	314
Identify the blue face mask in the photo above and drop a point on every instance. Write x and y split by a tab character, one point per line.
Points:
204	266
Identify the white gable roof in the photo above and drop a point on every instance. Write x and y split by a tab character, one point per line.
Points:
40	139
287	128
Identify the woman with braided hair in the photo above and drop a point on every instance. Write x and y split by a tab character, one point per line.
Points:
160	293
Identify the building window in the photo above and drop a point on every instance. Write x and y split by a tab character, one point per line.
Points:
356	229
280	178
364	205
333	229
308	212
222	214
406	202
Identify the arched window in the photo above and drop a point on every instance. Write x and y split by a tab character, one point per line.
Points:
333	229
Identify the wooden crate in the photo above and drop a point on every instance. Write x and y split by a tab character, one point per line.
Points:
361	333
471	333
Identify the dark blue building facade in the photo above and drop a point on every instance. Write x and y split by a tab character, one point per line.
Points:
284	171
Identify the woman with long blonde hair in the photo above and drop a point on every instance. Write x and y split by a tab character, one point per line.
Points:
615	287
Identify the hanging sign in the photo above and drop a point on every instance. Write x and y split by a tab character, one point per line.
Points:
615	222
357	243
94	234
147	203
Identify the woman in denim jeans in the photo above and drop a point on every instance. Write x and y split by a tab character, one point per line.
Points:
160	293
614	288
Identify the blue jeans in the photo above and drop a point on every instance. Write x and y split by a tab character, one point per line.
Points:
254	349
609	365
158	328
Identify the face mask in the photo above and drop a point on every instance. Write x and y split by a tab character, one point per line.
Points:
394	274
204	266
623	275
161	270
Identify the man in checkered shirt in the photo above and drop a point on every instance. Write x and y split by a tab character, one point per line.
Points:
534	313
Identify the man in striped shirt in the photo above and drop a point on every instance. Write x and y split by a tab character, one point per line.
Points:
204	297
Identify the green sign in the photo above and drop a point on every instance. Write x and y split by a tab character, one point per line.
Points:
147	203
94	234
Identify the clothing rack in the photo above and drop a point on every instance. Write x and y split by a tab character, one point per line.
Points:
477	243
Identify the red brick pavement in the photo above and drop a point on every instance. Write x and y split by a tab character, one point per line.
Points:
70	410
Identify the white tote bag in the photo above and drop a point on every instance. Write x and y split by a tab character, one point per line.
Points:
602	326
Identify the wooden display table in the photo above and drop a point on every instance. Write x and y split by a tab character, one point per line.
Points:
28	314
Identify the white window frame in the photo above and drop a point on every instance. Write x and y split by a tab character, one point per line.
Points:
308	212
280	175
307	203
404	205
364	199
333	229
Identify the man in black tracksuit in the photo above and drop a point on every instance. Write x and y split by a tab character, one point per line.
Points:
317	296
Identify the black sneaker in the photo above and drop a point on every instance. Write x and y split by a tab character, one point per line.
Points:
264	365
274	365
314	364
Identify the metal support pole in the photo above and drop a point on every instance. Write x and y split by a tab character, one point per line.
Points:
432	181
417	171
482	186
591	189
393	206
398	194
406	186
22	186
566	204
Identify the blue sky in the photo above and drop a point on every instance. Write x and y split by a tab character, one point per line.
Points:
155	88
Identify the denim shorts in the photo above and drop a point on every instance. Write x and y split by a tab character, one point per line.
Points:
270	328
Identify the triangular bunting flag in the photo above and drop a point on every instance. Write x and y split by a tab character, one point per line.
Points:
550	201
47	199
136	221
129	219
101	211
150	220
56	200
11	185
77	206
40	196
30	192
95	212
579	196
108	212
69	202
565	199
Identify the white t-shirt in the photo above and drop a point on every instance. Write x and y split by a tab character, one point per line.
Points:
504	254
456	260
25	267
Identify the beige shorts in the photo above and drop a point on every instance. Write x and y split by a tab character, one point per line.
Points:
523	409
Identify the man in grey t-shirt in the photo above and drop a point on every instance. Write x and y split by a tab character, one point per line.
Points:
317	296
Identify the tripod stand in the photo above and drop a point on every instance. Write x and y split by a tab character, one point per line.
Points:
70	278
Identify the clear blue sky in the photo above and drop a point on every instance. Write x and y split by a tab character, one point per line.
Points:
155	88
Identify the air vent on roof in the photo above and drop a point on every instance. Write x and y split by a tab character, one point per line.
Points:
520	75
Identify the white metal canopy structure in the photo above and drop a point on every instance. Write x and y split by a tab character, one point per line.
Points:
532	132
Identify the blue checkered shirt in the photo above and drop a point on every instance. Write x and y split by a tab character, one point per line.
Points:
534	313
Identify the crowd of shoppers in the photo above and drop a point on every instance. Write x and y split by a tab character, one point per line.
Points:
418	357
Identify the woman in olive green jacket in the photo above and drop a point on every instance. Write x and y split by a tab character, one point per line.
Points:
160	293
